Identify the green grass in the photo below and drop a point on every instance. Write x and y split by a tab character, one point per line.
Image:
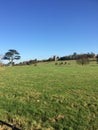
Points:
50	97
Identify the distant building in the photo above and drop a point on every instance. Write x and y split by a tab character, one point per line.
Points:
55	58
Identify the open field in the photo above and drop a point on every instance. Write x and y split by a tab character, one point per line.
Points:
50	97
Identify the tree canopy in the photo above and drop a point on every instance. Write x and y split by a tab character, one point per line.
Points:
11	55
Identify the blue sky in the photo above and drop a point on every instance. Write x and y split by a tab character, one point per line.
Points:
43	28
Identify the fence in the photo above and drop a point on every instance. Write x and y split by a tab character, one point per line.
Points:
13	127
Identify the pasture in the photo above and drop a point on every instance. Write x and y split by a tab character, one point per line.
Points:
50	97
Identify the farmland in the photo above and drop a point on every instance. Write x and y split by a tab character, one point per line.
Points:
50	97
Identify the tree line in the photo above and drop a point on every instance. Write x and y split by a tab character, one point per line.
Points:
80	58
12	55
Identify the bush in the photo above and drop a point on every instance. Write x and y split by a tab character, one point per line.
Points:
82	59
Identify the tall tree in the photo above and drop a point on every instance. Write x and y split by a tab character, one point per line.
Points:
11	55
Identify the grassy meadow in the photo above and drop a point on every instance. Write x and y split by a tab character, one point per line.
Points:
50	97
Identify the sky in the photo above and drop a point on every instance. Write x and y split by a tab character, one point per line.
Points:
39	29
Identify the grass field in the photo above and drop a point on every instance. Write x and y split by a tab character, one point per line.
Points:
50	97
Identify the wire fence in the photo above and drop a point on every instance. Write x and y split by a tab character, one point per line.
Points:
13	127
